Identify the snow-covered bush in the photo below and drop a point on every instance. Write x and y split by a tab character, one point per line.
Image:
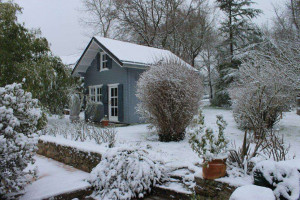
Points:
205	142
260	96
282	177
169	94
20	120
82	131
124	174
252	192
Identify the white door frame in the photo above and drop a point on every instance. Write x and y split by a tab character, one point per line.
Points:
111	114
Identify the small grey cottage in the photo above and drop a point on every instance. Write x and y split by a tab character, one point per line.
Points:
110	69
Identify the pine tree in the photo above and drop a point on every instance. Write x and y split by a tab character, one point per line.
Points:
237	27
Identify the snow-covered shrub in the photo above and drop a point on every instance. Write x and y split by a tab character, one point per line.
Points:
82	131
124	174
20	120
282	177
105	135
252	192
169	94
260	95
205	142
91	110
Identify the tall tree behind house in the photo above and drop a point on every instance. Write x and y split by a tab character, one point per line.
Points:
177	25
237	28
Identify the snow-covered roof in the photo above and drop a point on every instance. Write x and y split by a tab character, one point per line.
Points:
70	59
126	54
134	53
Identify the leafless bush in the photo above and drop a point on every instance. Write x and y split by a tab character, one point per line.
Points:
275	147
169	94
82	131
105	135
272	146
260	96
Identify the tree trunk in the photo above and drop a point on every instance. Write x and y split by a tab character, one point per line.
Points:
209	75
230	33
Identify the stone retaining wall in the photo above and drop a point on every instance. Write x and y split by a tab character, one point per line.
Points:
84	161
211	189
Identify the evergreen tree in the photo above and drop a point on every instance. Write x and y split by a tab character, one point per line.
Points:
238	32
237	27
25	57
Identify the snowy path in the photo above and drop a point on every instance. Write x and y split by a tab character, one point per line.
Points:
54	178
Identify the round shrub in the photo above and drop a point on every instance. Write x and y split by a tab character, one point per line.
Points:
169	94
125	174
20	120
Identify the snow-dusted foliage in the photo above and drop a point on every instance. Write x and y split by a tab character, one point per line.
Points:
169	94
124	174
260	95
20	120
282	177
81	131
205	142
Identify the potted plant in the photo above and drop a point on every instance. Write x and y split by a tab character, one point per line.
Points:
210	146
104	121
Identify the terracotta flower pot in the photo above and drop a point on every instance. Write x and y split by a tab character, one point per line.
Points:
104	122
214	169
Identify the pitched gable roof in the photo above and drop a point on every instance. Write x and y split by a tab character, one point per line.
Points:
123	53
134	53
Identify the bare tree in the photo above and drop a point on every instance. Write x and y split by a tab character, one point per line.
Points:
177	25
194	33
208	59
101	17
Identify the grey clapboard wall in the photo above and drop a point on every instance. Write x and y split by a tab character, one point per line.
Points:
126	77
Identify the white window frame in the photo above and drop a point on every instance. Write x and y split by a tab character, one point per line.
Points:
96	95
103	61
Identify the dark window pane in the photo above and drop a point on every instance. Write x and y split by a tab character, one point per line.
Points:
112	112
116	111
116	102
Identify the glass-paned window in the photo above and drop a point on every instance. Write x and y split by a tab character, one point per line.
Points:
95	93
103	61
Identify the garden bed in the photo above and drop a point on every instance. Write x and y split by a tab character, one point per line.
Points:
183	164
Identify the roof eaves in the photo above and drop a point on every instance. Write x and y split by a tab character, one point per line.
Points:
78	61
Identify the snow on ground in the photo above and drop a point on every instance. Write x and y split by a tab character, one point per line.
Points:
250	192
176	155
54	178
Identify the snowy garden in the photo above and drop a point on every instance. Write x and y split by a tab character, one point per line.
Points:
218	110
164	153
161	157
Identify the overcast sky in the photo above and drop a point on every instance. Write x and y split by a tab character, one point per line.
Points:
59	22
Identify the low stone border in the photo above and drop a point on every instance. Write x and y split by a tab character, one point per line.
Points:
79	194
211	189
86	161
82	160
169	194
